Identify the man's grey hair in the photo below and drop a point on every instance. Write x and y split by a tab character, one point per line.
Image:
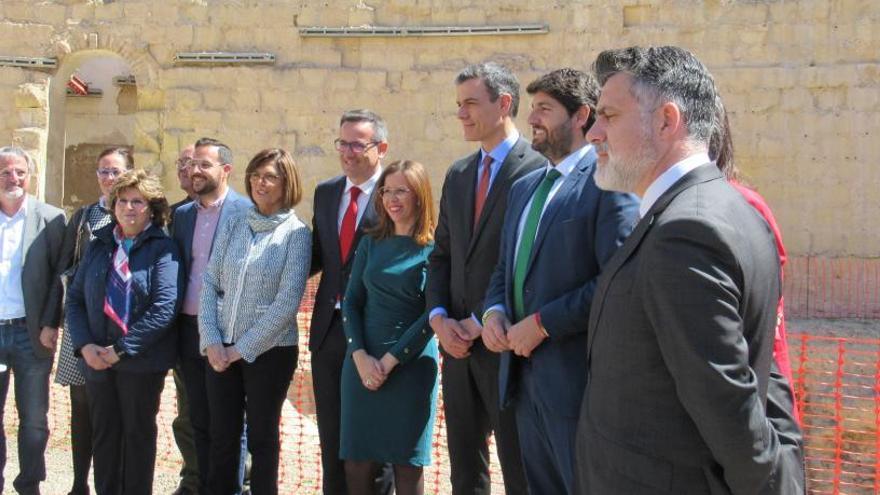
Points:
15	151
380	129
498	79
223	151
662	74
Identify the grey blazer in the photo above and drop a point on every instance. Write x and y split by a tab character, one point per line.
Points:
679	355
41	269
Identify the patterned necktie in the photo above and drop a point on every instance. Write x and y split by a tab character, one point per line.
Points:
349	222
527	240
482	189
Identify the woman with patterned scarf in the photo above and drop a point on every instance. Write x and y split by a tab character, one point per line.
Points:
119	311
252	289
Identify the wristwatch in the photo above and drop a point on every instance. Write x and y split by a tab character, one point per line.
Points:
119	350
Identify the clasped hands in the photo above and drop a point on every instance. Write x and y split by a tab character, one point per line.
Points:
456	336
499	335
99	358
220	356
373	372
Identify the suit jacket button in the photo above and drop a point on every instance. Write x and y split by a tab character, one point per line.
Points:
406	351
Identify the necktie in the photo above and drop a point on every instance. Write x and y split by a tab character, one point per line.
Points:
527	239
482	189
349	222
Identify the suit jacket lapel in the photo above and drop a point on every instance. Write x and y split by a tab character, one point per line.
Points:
517	208
31	226
331	220
571	185
700	174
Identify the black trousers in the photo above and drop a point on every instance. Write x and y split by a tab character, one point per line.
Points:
258	388
80	439
470	404
123	409
192	367
326	384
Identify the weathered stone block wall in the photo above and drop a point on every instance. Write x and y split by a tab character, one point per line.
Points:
801	79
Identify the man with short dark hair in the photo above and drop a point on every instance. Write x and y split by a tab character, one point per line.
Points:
31	239
342	210
194	227
559	231
466	242
682	325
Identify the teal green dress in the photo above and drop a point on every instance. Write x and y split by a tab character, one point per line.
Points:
384	311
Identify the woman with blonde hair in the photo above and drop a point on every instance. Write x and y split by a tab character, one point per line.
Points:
389	376
120	309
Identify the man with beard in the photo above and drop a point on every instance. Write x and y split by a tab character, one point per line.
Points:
559	231
31	238
465	252
193	228
682	326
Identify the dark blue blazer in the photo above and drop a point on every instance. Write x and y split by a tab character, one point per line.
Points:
183	224
579	231
154	261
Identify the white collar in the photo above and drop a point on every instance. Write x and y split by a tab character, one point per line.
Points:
367	186
570	162
662	183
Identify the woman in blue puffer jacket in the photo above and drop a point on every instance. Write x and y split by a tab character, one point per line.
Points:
119	310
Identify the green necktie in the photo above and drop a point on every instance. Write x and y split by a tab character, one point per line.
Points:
527	240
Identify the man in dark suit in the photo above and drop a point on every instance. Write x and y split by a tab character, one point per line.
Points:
342	210
465	252
194	227
31	238
559	231
681	329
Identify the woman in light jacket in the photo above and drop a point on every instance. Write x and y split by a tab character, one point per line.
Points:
120	311
247	322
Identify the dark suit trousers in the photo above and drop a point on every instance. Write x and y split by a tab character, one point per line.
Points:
470	403
123	409
327	384
547	438
260	389
192	366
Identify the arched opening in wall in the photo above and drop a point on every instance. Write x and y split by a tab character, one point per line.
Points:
83	121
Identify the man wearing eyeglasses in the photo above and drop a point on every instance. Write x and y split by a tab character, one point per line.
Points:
31	239
342	209
194	226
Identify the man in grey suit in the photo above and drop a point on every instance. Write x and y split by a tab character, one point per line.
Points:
559	231
31	238
465	252
194	227
681	329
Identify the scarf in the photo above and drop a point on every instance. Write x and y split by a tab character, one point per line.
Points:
117	302
261	223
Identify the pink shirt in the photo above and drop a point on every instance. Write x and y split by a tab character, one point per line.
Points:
203	238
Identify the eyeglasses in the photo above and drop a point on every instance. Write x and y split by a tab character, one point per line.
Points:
17	173
109	173
202	164
270	179
355	147
396	193
135	204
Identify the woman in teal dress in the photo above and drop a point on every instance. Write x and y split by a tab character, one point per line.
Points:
389	378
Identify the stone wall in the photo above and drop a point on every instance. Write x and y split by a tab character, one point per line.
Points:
801	78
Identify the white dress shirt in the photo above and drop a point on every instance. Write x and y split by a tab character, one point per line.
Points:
668	178
11	263
362	201
564	167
